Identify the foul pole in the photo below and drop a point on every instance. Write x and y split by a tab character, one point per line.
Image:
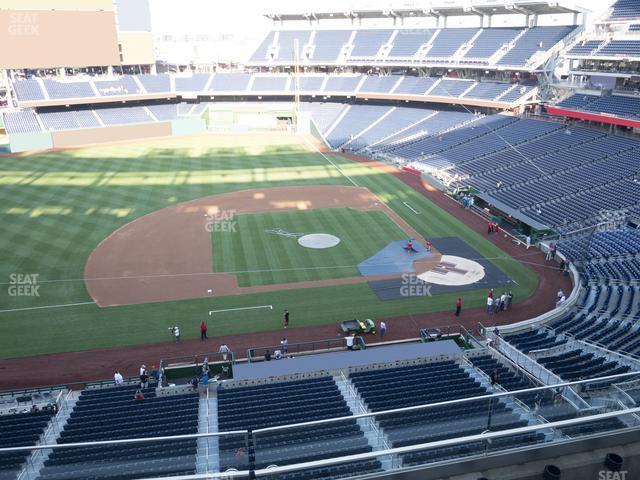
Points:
296	83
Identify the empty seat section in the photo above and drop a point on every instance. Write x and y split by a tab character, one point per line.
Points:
367	43
111	414
489	42
230	82
125	85
397	387
448	41
285	403
261	52
24	121
155	83
355	121
533	40
328	45
269	84
286	44
195	83
407	42
68	119
19	430
72	89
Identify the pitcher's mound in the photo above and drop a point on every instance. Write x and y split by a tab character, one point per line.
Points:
319	240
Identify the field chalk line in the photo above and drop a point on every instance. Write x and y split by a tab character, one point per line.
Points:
270	307
309	144
47	306
411	208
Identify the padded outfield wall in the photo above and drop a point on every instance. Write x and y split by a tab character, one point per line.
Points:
29	142
250	116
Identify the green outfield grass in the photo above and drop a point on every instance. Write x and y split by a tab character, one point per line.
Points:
262	258
56	207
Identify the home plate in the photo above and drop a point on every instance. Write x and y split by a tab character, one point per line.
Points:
318	240
452	270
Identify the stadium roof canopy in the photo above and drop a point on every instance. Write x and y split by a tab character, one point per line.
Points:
435	9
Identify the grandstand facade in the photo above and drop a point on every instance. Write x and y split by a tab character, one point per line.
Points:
603	66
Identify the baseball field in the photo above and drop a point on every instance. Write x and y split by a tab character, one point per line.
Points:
109	246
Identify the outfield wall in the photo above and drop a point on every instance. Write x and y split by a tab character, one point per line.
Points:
29	142
249	116
89	136
188	126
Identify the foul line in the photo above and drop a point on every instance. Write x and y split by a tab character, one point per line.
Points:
270	307
411	208
309	144
47	306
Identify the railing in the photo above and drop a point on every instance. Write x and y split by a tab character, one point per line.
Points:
198	359
361	409
624	413
53	428
206	449
303	348
625	358
449	331
534	368
504	359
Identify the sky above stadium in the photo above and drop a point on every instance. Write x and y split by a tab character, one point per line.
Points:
240	25
199	16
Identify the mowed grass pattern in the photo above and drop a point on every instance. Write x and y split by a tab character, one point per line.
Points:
56	207
261	258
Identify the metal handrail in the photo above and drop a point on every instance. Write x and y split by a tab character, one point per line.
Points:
331	343
361	407
207	428
324	421
53	426
487	436
535	366
449	442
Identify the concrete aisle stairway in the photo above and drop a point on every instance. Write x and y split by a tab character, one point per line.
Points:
517	407
208	457
372	432
36	461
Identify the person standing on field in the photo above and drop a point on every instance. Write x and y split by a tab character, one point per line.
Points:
203	331
349	341
458	306
383	330
489	305
286	318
